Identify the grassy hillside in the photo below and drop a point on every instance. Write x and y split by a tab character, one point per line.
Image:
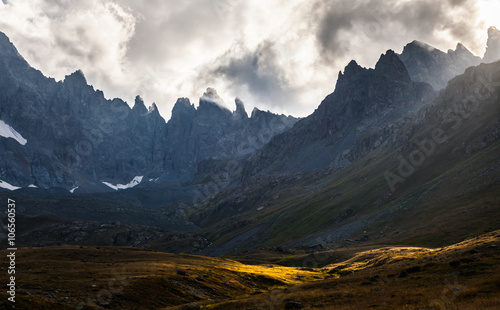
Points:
443	202
432	182
461	276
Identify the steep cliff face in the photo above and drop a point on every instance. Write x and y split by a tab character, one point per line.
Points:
363	99
213	132
471	99
433	167
74	135
77	138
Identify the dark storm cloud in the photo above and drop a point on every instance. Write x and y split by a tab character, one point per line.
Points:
374	20
336	17
256	72
278	55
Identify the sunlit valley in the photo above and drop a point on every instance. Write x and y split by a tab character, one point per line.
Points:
386	196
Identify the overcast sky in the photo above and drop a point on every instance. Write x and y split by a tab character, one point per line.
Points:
278	55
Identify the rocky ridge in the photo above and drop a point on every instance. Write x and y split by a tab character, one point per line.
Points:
77	139
428	64
363	99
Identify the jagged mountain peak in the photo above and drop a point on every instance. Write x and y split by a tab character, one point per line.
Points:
139	106
425	63
183	109
351	71
353	68
256	112
240	112
462	56
239	103
76	78
111	141
418	45
153	109
461	51
183	103
210	96
493	45
363	100
182	112
461	47
492	31
389	64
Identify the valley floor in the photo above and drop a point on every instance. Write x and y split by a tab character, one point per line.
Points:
461	276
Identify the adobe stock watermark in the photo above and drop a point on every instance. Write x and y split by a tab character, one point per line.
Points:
456	114
449	295
217	184
82	151
371	25
167	79
221	181
224	7
74	156
116	286
11	241
416	158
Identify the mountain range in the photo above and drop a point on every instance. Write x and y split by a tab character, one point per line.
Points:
78	139
404	152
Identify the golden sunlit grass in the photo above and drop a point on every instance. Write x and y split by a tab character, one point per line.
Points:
461	276
119	277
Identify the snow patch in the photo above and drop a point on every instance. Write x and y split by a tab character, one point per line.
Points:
8	186
8	132
32	186
73	189
132	183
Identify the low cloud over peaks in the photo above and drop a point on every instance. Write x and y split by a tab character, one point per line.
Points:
251	73
276	55
374	25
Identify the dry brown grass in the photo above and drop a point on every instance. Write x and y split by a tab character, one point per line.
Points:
127	278
454	277
462	276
